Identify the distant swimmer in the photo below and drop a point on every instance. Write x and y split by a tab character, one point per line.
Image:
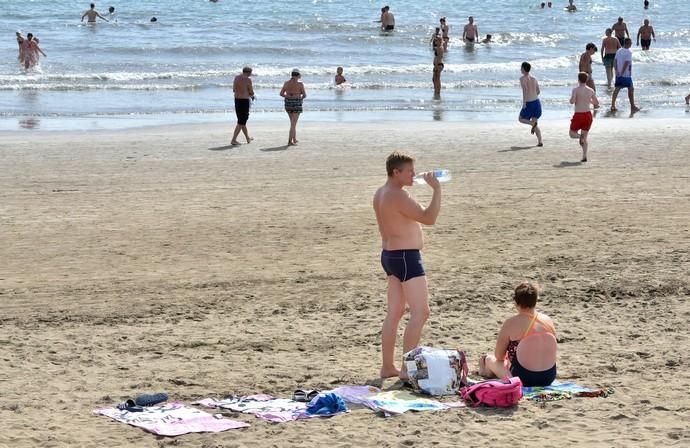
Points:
582	97
571	6
609	47
438	68
687	99
623	65
531	106
111	11
339	78
645	35
294	94
30	52
470	33
244	93
549	4
153	20
92	14
586	64
487	39
542	5
646	4
444	32
621	30
387	19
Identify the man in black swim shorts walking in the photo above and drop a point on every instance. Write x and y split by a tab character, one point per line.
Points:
399	218
244	94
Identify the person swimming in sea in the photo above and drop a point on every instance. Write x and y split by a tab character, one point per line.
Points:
339	78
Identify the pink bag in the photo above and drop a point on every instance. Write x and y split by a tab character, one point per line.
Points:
496	393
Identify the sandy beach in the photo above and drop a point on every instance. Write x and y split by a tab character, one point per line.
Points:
159	259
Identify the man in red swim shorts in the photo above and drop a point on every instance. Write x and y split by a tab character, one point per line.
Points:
582	97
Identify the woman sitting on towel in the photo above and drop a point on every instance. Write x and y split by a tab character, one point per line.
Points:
526	345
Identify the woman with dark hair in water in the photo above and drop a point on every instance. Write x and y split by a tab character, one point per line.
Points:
29	53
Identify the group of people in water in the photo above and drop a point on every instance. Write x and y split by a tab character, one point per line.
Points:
526	346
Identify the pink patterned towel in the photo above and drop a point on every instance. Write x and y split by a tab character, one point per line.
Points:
172	419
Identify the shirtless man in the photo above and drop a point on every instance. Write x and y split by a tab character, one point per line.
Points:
444	32
621	30
470	33
586	64
623	66
645	35
92	14
339	78
387	19
244	92
609	47
531	106
571	6
399	218
438	67
582	97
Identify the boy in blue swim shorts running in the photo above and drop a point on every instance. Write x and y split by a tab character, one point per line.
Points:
531	106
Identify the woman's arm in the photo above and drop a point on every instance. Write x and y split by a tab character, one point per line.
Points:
502	342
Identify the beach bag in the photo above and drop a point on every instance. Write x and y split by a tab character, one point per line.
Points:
503	393
436	371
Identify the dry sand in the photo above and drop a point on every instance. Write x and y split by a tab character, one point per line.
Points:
152	260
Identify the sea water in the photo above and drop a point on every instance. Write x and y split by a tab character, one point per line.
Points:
181	68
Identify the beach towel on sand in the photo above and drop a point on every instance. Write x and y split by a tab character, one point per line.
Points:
395	402
561	391
172	419
265	407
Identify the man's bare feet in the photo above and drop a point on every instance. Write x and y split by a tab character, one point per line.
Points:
389	372
613	109
250	139
540	144
634	109
235	143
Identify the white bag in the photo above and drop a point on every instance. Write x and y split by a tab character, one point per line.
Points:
436	371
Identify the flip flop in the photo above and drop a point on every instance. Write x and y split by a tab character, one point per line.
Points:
130	406
150	399
300	395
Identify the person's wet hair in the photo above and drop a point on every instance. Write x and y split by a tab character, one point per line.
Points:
526	67
582	77
526	295
93	5
396	161
591	46
247	70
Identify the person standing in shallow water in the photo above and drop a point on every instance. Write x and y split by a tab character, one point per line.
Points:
30	52
294	94
92	14
399	219
244	94
609	47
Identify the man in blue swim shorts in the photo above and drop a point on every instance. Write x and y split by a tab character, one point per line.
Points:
399	218
623	65
531	106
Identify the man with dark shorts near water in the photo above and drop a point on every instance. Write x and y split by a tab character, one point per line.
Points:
438	66
645	35
582	97
621	30
623	66
387	19
399	219
470	33
531	106
244	94
609	47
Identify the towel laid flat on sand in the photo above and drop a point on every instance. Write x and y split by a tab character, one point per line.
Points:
265	407
561	391
396	402
172	419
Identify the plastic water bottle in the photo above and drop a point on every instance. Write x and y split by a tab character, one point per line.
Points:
439	174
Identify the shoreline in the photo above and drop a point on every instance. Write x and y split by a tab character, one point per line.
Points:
28	124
